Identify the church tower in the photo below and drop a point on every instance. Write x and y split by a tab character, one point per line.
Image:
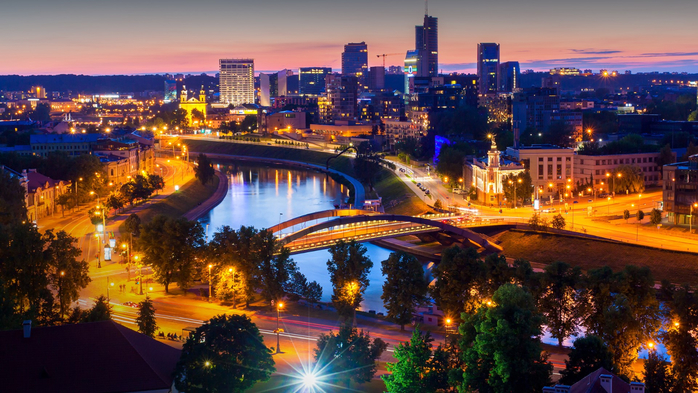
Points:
202	95
183	96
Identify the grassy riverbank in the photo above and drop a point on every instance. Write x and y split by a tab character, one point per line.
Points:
189	196
397	197
677	267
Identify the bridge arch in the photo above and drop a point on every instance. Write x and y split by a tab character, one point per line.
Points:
320	215
471	236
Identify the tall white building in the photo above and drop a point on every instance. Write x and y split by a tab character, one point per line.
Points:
236	81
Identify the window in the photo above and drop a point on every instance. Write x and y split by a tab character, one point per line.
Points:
550	171
615	162
597	163
559	171
597	171
559	159
603	162
568	159
550	159
540	159
581	162
540	171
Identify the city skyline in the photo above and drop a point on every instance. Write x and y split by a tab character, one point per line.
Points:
99	38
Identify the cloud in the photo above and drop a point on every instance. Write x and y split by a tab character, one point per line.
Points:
668	54
595	52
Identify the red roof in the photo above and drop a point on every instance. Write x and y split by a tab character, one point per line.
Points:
89	357
592	383
36	180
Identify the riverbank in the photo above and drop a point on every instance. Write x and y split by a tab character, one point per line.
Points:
675	266
397	197
184	202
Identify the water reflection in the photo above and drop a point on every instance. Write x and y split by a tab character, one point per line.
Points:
262	196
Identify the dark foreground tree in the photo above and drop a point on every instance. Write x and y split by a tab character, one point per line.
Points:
679	336
560	300
348	268
350	355
101	311
459	277
502	348
656	374
417	370
204	170
146	318
405	287
226	354
589	353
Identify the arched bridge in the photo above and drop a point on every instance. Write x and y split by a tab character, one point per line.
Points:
361	225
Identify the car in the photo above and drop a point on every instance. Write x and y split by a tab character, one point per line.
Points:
130	304
427	192
419	185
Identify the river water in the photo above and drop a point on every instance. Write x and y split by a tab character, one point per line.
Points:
262	196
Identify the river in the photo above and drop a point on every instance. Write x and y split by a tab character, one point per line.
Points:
262	196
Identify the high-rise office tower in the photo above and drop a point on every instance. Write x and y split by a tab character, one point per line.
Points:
509	76
426	42
377	79
488	67
355	62
342	96
236	81
312	80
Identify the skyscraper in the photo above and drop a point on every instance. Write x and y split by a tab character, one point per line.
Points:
355	62
342	96
312	80
509	76
488	67
236	81
426	42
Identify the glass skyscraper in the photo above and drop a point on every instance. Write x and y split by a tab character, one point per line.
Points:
355	62
488	67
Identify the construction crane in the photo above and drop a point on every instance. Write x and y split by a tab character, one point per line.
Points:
384	55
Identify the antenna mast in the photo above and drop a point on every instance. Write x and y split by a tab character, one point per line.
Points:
426	7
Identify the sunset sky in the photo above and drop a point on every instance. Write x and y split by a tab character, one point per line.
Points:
158	36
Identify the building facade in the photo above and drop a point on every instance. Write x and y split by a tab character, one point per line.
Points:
488	67
487	176
312	80
355	62
71	144
236	81
594	169
551	168
342	98
509	76
189	104
680	191
398	131
427	46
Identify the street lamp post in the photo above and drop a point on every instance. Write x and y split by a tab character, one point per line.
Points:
140	275
99	257
128	260
279	306
209	282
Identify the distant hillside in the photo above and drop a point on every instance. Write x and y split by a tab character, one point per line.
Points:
83	83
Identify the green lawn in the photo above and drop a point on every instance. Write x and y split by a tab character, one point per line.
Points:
189	196
677	267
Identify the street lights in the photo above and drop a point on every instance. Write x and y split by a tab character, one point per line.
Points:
278	331
690	218
613	182
140	274
209	282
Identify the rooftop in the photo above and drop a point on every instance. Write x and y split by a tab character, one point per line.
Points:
90	357
64	138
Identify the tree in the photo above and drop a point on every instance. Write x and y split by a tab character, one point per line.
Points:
348	267
588	355
42	112
679	336
274	267
632	319
101	311
666	156
349	355
438	205
133	225
521	182
169	246
225	354
313	292
114	201
63	201
558	222
656	374
458	285
631	179
204	169
560	300
156	182
298	285
501	345
229	284
67	275
412	373
12	206
626	215
450	160
230	248
640	215
146	318
405	287
656	217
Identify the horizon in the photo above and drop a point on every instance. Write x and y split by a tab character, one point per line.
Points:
129	38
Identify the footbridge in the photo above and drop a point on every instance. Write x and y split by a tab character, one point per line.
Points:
323	229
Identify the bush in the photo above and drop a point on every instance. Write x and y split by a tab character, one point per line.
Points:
558	222
655	217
